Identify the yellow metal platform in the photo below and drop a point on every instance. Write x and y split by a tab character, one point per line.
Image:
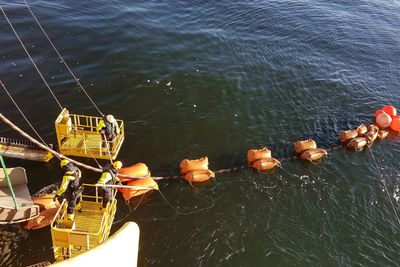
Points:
89	228
77	135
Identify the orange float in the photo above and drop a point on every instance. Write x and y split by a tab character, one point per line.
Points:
256	154
347	135
395	125
371	136
357	143
196	170
382	134
197	176
361	130
188	165
44	219
380	111
147	184
138	169
372	127
313	154
265	164
383	120
390	110
301	146
45	202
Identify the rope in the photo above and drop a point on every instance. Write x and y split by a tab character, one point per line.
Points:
23	115
186	213
386	189
3	165
130	209
33	62
62	59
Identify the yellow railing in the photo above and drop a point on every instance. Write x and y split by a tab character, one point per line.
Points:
89	228
77	135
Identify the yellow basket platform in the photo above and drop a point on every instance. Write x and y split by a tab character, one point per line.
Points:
88	229
77	136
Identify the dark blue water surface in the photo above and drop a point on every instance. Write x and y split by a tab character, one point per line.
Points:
216	78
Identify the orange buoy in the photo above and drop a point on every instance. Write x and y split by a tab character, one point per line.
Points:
138	169
395	125
371	136
199	175
380	111
382	134
383	120
372	127
301	146
357	143
361	130
188	165
44	219
265	164
147	184
256	154
390	110
347	135
45	202
313	154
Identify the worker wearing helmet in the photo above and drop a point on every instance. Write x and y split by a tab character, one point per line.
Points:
70	187
109	177
109	130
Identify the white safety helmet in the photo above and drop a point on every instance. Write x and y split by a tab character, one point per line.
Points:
110	118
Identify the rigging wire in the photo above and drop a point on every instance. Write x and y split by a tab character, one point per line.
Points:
62	59
130	209
33	62
23	115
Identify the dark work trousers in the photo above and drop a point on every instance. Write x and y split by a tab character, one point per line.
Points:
110	141
105	193
73	199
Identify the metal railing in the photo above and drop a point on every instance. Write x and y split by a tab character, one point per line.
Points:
68	242
77	135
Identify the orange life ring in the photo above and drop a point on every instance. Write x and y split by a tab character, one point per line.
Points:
188	165
347	135
265	164
357	143
129	193
256	154
199	175
361	130
301	146
138	169
313	154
